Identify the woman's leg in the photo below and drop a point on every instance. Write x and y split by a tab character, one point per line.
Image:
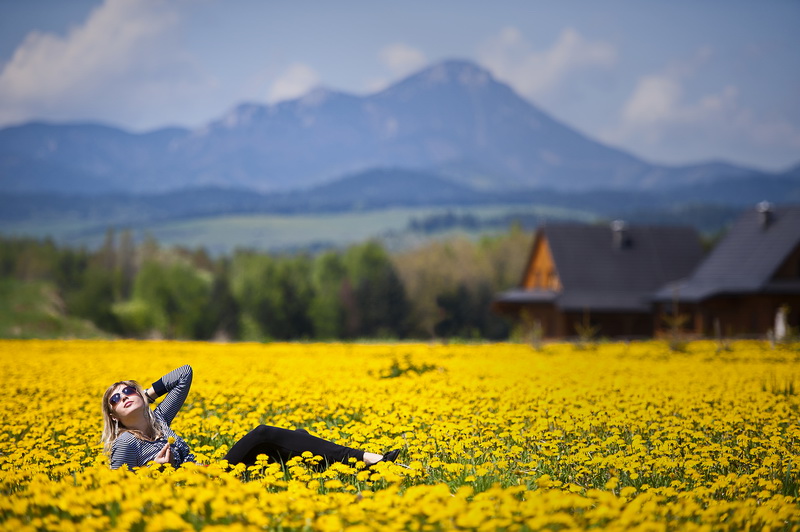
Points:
282	444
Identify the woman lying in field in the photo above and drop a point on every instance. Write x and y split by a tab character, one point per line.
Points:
133	434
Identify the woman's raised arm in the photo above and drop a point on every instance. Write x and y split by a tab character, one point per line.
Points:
175	385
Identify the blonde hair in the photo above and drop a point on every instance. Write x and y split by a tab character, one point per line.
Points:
110	433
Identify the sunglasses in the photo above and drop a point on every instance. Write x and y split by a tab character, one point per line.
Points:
128	390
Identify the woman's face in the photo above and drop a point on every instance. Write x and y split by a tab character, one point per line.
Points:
128	401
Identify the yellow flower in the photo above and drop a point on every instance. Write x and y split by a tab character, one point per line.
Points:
498	437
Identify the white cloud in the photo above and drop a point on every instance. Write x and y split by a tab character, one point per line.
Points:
294	82
661	119
402	59
658	104
658	100
535	73
122	59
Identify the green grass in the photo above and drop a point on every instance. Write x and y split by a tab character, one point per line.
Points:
33	310
222	234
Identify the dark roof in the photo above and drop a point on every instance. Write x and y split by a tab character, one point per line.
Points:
747	257
598	275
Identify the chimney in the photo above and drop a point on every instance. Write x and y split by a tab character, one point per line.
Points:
619	234
765	214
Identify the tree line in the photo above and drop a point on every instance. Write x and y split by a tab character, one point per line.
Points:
442	289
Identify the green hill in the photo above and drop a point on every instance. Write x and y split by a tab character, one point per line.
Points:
33	310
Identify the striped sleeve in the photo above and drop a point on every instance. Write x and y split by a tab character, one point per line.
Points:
126	450
175	385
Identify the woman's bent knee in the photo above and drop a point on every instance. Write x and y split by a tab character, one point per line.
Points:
269	433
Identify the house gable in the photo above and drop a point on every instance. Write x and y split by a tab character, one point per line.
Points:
790	269
541	273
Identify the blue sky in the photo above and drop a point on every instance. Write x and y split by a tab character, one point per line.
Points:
673	82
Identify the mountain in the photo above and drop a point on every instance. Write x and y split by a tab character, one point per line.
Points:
371	190
387	188
382	188
82	157
453	120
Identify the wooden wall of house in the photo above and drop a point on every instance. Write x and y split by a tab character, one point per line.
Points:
734	316
555	324
609	324
541	273
547	317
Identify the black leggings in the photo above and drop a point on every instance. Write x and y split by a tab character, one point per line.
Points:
282	444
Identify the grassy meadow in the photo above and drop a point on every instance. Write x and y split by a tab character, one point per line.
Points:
223	234
494	436
34	310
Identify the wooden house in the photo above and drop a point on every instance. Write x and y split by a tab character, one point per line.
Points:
749	276
602	278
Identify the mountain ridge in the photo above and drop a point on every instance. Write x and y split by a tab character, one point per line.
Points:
378	189
452	120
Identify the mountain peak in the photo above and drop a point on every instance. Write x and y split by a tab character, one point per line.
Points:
317	96
460	67
455	71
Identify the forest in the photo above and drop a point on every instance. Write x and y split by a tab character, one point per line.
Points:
130	289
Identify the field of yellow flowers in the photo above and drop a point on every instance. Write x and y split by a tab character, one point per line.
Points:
499	436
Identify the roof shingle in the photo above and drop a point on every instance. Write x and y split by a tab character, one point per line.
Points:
747	257
598	274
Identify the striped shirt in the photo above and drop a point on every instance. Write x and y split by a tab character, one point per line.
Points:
130	450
